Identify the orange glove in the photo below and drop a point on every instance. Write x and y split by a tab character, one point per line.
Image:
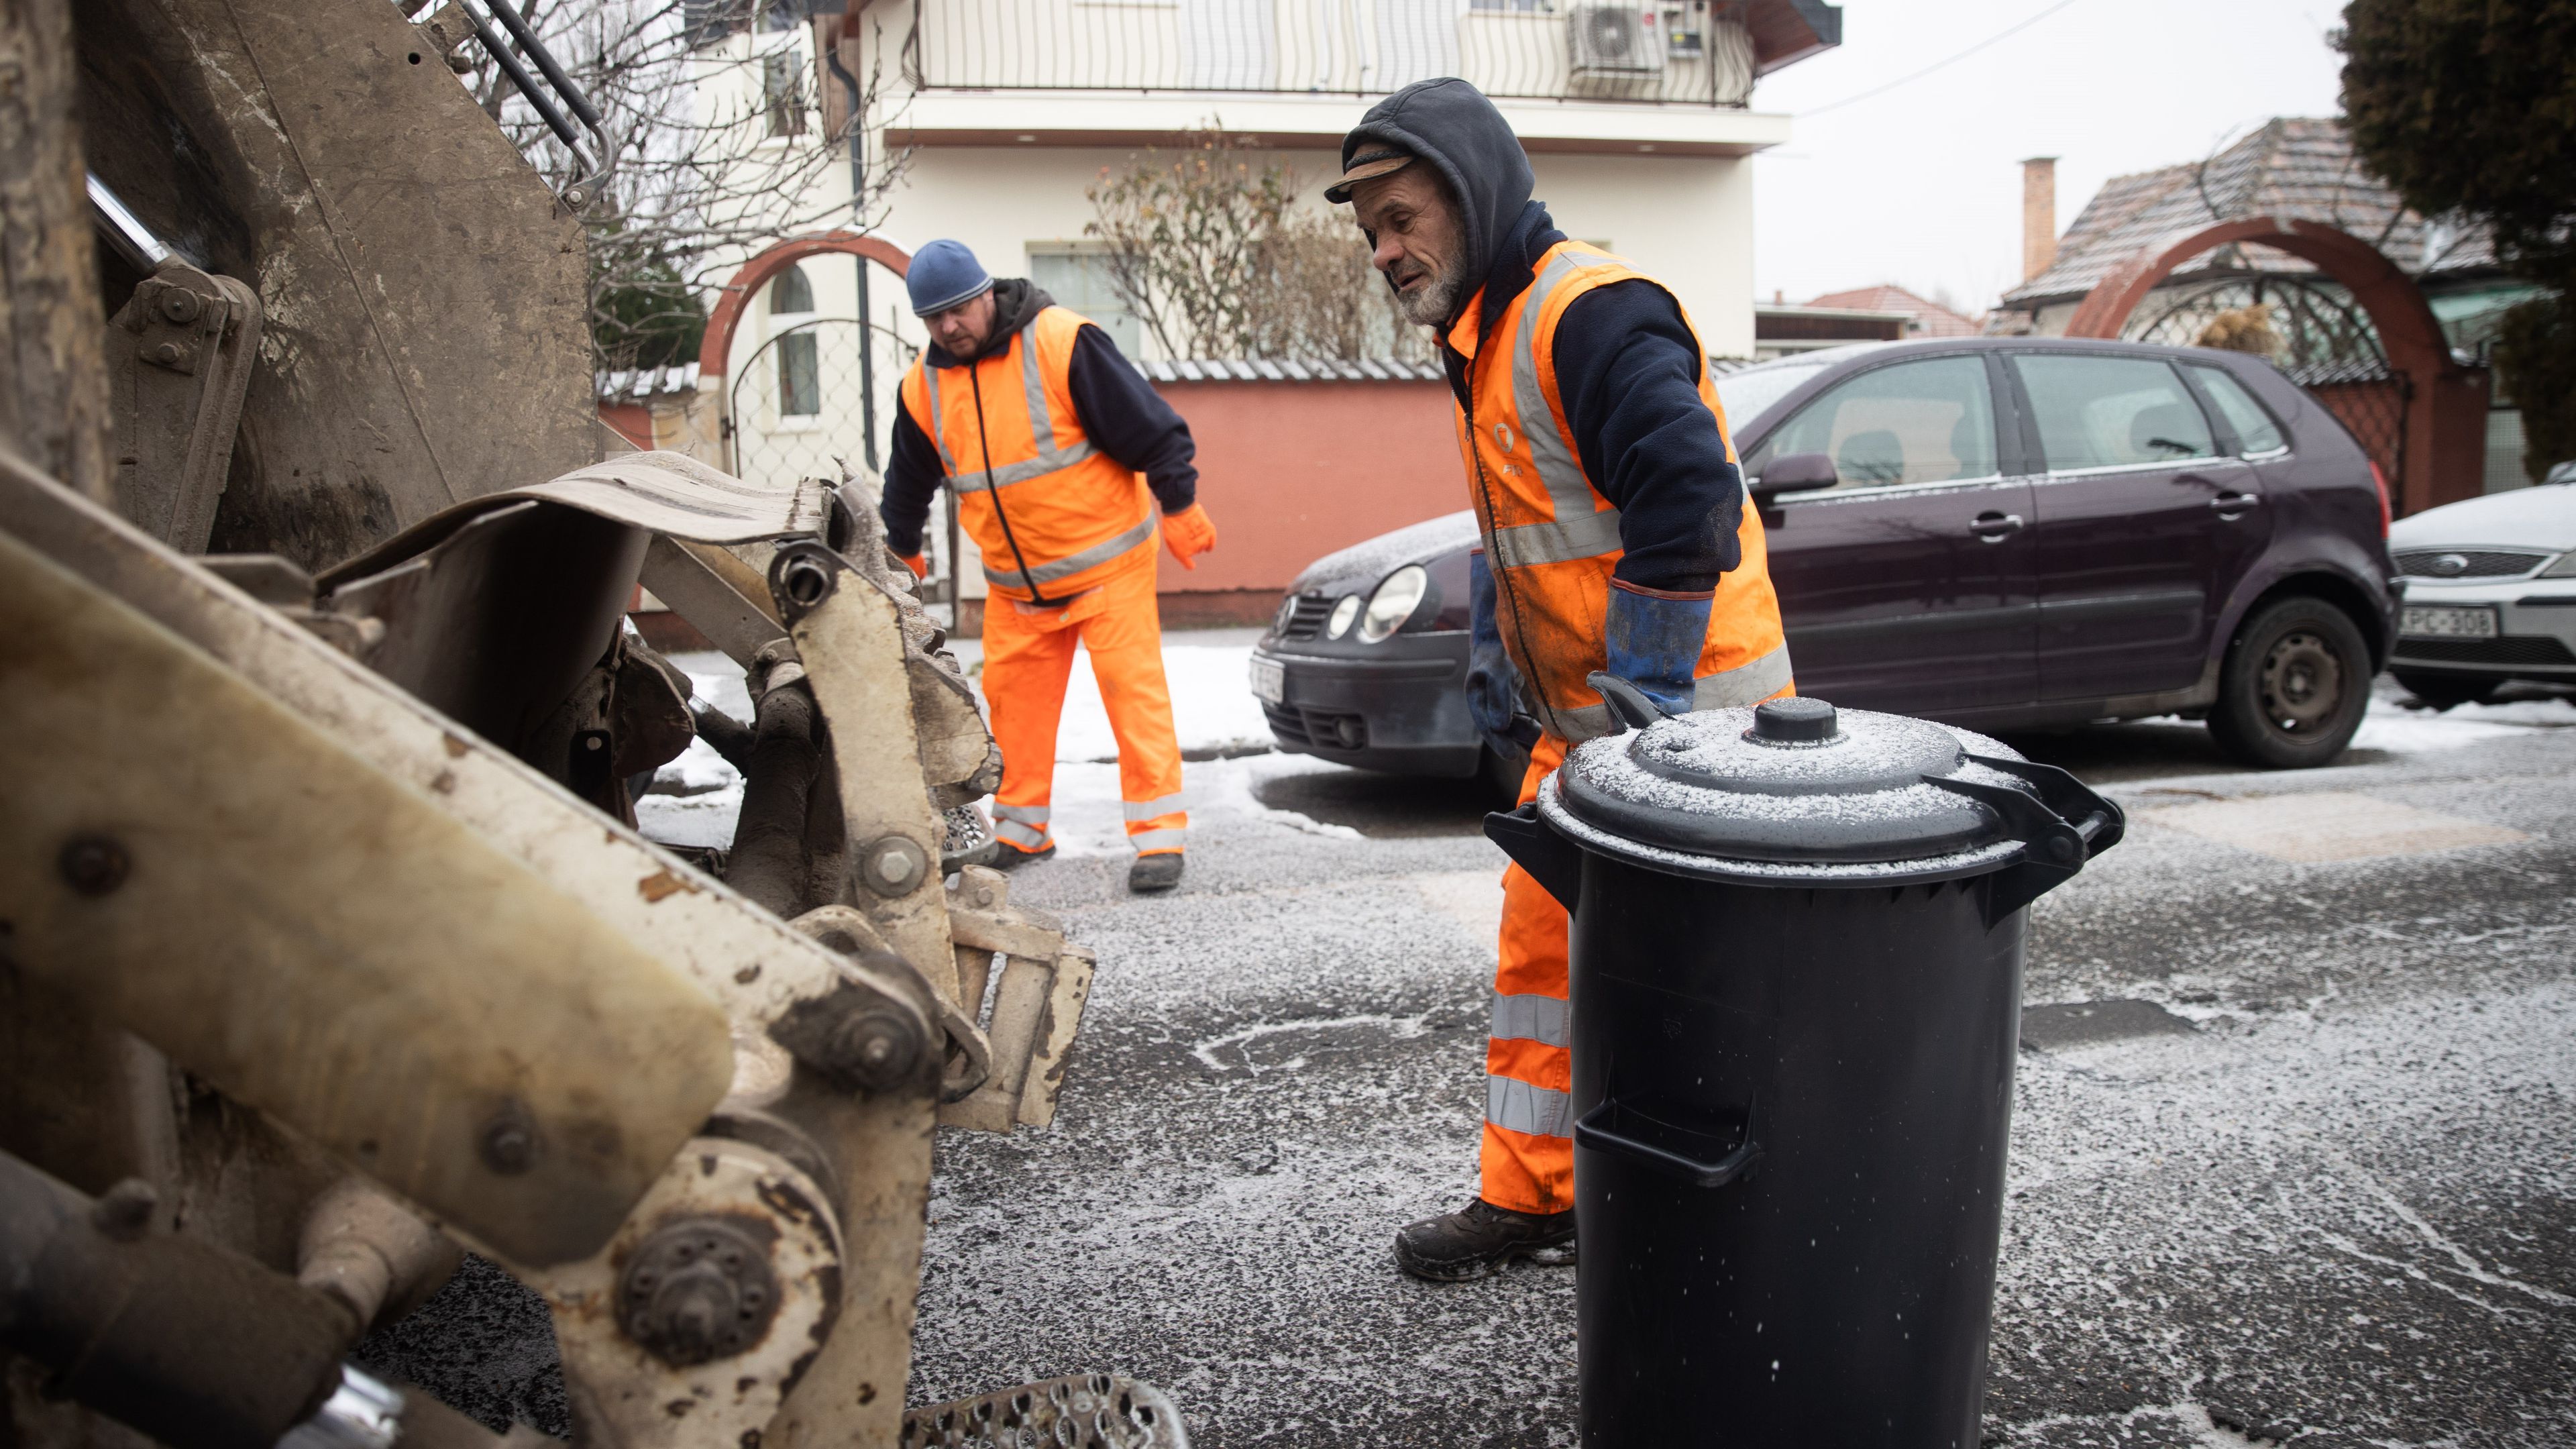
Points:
1188	534
919	565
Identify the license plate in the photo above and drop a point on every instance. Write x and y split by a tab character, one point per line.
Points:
1269	680
2447	621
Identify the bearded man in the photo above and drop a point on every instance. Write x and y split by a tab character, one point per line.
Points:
1615	539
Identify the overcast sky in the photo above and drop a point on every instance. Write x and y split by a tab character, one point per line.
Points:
1921	185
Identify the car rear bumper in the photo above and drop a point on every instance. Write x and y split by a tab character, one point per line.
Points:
2536	620
1401	708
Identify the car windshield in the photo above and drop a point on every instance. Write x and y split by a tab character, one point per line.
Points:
1746	395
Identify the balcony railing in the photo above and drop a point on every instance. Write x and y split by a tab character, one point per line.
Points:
1695	52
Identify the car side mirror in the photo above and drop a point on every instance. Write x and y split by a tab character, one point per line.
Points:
1796	473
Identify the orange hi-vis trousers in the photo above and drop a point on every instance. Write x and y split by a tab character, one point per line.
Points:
1527	1161
1028	656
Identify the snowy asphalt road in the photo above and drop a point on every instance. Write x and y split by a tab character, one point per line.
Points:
2327	1195
2291	1155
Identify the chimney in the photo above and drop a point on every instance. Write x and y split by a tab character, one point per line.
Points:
1779	297
2038	215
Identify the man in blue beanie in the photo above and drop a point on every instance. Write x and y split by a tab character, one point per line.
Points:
1059	454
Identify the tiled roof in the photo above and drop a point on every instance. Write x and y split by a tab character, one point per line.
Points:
1931	319
1283	369
636	385
2301	170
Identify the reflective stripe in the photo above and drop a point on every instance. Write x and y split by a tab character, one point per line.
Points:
1576	723
1588	535
1545	1019
1516	1106
1041	428
1745	683
1026	837
1167	838
1022	472
1033	814
1575	504
1148	809
1065	568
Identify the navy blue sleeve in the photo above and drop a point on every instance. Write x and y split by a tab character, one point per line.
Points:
912	480
1627	371
1125	418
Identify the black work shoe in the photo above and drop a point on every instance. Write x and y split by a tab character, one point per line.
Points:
1480	1239
1151	873
1011	857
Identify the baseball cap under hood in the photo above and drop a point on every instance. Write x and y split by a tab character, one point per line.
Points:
1449	124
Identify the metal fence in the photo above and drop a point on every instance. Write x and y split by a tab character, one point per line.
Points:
1688	52
820	395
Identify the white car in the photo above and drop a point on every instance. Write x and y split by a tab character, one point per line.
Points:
2490	593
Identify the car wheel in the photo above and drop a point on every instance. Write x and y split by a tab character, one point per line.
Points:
2442	691
2296	681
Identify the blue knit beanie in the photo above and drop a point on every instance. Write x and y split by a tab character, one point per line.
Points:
942	275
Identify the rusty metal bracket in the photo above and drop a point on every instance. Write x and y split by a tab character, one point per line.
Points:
1036	1010
179	356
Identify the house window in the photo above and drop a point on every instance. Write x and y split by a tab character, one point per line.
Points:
782	93
800	371
1077	276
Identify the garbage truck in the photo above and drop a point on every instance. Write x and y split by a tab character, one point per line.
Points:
330	951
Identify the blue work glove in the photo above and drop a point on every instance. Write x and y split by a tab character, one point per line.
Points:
1655	642
1493	685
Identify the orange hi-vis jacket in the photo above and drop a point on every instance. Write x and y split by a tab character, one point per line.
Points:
1552	540
1052	515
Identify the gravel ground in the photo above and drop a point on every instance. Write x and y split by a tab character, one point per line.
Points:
2292	1164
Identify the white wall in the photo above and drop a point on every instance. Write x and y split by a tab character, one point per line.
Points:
1687	221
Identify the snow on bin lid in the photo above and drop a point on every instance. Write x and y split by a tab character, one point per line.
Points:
1792	781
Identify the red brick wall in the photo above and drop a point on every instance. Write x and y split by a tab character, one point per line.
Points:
1291	471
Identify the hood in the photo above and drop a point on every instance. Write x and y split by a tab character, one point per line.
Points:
2542	517
1451	126
1016	301
1361	565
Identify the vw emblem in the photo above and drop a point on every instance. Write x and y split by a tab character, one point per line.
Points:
1503	436
2450	566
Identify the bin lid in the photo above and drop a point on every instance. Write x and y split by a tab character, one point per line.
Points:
1796	782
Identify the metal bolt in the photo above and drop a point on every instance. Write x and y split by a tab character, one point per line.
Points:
181	305
509	1143
575	197
696	1290
875	1049
124	1212
893	865
165	353
93	865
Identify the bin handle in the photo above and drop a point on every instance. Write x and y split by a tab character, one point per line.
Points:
1593	1130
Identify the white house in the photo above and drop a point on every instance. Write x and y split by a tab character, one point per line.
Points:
1639	116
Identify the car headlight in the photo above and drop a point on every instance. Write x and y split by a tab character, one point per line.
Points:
1393	602
1343	613
2565	568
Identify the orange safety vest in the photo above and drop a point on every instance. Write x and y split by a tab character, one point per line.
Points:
1052	515
1552	539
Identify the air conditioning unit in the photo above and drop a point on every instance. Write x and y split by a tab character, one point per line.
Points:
1614	40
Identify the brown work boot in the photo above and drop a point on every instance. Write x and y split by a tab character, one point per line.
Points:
1481	1239
1154	873
1010	857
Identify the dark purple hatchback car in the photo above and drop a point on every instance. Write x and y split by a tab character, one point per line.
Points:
2005	533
